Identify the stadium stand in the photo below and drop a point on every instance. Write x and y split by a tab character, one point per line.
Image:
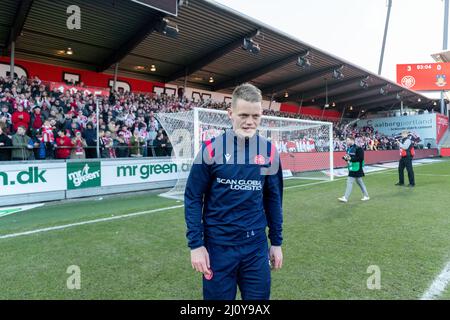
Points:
56	121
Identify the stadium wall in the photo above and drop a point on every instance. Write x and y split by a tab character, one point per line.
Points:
309	161
37	181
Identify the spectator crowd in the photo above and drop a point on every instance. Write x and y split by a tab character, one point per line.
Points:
39	123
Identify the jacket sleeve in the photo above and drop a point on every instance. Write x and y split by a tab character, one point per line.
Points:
8	142
273	202
196	188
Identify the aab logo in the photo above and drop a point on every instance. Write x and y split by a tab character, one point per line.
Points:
259	159
82	175
408	81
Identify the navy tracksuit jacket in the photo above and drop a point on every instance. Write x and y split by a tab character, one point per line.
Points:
234	191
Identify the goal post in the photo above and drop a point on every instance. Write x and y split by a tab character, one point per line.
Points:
305	146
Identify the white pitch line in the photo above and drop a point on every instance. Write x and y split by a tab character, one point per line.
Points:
25	233
430	174
369	173
335	179
439	284
433	175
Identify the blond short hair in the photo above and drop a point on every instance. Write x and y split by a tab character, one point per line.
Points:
246	92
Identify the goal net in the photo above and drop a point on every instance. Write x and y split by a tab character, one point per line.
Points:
304	145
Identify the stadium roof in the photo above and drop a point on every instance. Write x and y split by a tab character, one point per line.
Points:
209	44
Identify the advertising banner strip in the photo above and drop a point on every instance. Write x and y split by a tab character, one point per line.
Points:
32	178
141	171
424	125
441	126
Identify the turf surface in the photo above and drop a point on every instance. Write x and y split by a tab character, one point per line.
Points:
328	245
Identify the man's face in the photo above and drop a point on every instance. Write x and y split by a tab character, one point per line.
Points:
20	131
350	142
245	117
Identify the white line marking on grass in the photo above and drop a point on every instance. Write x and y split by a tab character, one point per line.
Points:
432	175
309	184
439	284
335	179
25	233
429	174
342	178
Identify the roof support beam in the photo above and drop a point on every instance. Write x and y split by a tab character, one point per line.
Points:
352	94
125	48
310	94
372	106
293	82
348	96
209	57
377	99
23	8
253	74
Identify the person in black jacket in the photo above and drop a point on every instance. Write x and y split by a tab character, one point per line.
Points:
122	148
90	135
5	146
355	162
406	147
159	145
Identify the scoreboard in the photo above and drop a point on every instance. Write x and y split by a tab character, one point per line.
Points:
424	76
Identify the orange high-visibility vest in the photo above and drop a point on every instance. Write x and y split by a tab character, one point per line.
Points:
404	153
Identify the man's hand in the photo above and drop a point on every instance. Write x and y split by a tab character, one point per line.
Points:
200	260
276	257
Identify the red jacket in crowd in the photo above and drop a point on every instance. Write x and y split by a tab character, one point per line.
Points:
20	118
66	143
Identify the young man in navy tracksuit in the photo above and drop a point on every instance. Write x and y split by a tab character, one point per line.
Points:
234	191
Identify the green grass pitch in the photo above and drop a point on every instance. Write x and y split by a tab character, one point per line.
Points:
328	245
